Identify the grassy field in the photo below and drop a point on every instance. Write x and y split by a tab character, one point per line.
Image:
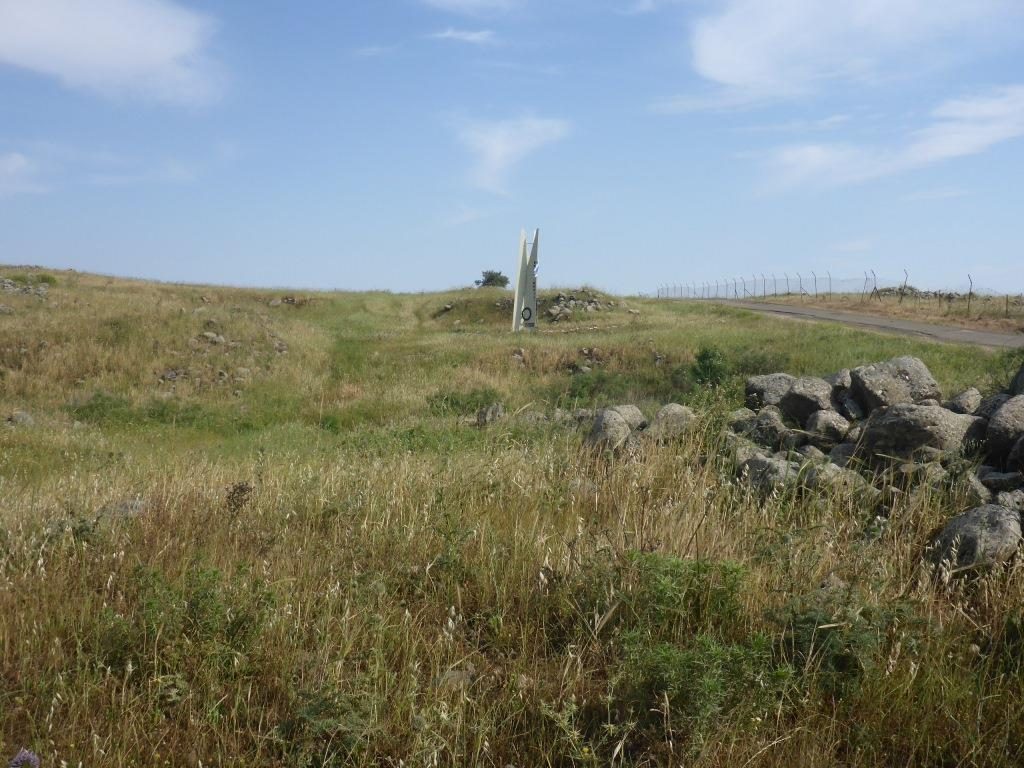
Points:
994	313
279	543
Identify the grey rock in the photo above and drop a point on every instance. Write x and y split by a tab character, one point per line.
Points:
610	431
820	477
768	389
741	420
1015	461
848	407
843	454
976	492
805	396
768	429
211	337
905	430
1002	481
826	428
671	422
811	453
489	414
985	535
768	474
633	416
897	381
855	434
5	310
1011	500
1005	428
991	404
125	509
741	448
840	380
1017	385
967	401
21	419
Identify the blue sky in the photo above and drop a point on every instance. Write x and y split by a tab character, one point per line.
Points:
404	143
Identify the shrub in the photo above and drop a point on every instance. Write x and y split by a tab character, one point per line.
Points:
710	369
492	279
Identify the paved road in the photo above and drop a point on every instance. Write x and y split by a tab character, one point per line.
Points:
889	324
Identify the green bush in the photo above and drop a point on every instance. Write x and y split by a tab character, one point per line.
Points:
710	368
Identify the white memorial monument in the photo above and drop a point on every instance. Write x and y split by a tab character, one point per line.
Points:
524	310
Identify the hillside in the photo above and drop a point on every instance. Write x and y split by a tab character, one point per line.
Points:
260	528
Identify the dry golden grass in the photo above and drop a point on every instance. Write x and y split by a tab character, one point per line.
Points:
993	313
325	567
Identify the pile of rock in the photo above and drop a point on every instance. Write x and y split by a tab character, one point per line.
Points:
564	305
10	286
620	426
890	416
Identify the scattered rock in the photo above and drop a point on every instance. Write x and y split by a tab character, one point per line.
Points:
967	401
21	419
904	430
768	429
805	396
811	453
990	405
897	381
1016	459
634	416
740	420
1011	500
1017	386
742	449
830	476
610	431
985	535
826	428
767	474
843	454
671	422
976	492
840	381
1006	428
1002	481
5	310
212	337
768	389
489	414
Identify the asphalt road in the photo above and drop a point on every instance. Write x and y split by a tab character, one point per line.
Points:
889	325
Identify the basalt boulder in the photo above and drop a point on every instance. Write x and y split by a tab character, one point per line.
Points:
983	536
768	389
894	382
906	430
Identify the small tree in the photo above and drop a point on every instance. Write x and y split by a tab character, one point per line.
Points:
492	278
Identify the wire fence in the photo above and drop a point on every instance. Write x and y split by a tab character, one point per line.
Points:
966	300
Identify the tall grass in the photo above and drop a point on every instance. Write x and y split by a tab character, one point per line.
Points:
322	565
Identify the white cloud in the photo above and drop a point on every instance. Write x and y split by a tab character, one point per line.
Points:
473	7
153	49
498	146
768	49
474	37
17	175
958	128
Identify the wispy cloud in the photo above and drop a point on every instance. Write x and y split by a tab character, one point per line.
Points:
958	128
373	51
474	37
41	166
150	49
17	175
473	7
762	50
498	146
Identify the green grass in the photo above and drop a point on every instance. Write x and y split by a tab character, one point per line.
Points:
330	567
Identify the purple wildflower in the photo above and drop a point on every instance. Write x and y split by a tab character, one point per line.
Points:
24	759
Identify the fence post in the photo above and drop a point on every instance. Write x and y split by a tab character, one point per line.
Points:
830	285
764	287
903	290
801	279
815	283
970	295
787	282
